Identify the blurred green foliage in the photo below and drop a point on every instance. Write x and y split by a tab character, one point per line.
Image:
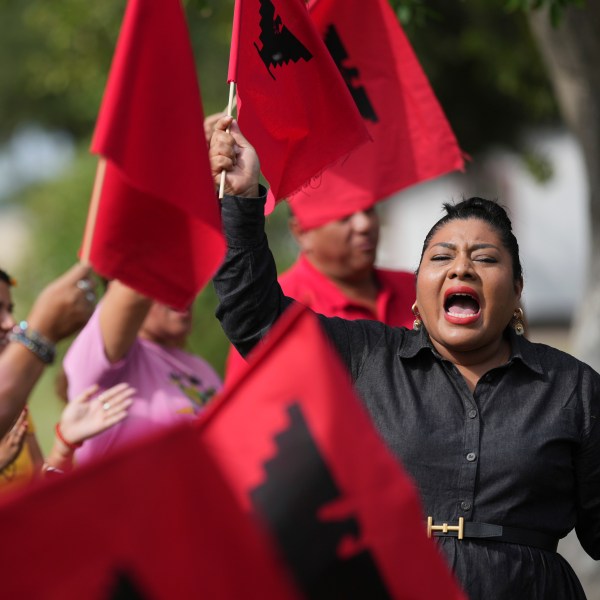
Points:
418	11
478	54
55	57
485	69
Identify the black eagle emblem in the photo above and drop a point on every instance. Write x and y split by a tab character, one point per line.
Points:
351	75
279	44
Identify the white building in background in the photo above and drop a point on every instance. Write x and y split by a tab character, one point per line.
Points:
549	219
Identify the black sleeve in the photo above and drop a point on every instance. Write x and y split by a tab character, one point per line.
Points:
250	299
587	465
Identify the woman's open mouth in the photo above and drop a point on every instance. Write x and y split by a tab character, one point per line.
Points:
461	305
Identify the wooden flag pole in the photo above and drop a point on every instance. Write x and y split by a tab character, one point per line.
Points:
229	113
233	105
93	212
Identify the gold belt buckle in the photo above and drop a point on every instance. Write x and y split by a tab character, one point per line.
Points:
445	528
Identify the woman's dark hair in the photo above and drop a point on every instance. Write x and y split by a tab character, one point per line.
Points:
8	280
491	213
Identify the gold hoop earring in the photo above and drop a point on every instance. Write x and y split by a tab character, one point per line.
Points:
517	321
417	323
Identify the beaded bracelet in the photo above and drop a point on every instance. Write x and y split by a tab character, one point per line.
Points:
70	445
35	342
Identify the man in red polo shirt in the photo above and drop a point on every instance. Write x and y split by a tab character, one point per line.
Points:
335	273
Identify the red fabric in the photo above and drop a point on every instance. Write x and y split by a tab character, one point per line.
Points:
305	283
412	140
158	227
234	48
293	105
159	513
308	285
330	491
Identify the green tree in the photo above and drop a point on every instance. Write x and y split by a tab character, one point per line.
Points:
55	57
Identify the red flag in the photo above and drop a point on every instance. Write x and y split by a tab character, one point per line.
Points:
300	450
412	140
293	105
156	522
158	225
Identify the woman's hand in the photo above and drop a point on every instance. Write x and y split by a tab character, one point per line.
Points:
12	443
87	416
65	304
209	125
231	152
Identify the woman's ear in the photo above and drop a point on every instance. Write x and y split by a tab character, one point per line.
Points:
519	287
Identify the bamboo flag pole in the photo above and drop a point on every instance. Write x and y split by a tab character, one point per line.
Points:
233	105
229	113
93	212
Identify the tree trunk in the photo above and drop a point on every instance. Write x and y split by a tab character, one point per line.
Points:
572	55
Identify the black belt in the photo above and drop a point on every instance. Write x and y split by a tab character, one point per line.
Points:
495	533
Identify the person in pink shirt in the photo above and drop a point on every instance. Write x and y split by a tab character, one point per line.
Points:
335	274
132	339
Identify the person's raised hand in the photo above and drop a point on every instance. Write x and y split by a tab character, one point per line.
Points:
231	152
90	414
65	304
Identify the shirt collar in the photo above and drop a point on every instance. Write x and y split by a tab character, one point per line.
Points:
334	296
521	348
414	342
327	289
525	351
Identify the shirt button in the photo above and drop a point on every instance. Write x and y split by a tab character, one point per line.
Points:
471	456
465	505
472	413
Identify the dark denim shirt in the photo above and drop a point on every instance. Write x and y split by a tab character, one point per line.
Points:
522	450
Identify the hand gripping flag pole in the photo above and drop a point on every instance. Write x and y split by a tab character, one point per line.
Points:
231	76
292	103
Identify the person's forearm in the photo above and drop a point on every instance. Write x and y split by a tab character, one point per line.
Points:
20	370
60	457
122	313
250	299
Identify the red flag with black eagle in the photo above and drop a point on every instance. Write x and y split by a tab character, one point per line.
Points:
154	521
293	105
301	453
412	140
158	225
